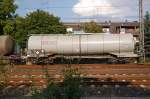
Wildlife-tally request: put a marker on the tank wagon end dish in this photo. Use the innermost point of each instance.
(6, 45)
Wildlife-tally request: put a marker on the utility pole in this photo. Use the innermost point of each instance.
(141, 23)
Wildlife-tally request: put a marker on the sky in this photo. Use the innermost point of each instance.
(85, 10)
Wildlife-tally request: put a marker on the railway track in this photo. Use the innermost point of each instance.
(97, 74)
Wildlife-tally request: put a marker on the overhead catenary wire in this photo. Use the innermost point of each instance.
(68, 7)
(104, 6)
(114, 4)
(79, 17)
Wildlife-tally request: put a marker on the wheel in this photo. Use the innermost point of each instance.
(112, 61)
(50, 61)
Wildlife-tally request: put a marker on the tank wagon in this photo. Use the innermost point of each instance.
(6, 45)
(9, 51)
(98, 46)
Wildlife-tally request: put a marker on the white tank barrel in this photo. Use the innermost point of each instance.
(93, 44)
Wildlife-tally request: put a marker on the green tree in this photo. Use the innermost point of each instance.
(37, 22)
(41, 22)
(20, 32)
(7, 12)
(52, 91)
(147, 33)
(72, 88)
(37, 95)
(92, 27)
(9, 27)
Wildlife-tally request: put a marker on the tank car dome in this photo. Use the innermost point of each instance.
(6, 45)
